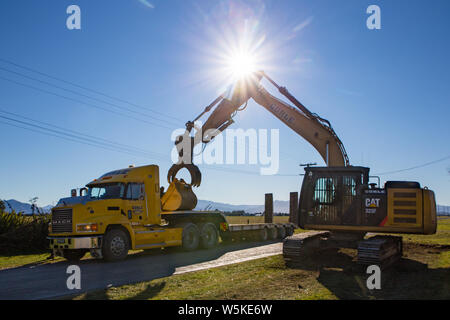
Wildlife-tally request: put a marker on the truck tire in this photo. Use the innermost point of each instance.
(191, 237)
(273, 233)
(74, 254)
(115, 245)
(209, 236)
(281, 232)
(263, 234)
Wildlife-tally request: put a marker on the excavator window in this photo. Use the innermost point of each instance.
(325, 191)
(330, 196)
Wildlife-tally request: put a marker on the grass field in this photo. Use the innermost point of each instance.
(423, 272)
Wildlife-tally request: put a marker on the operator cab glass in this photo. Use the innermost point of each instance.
(329, 195)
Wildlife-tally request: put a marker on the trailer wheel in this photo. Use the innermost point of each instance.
(263, 234)
(73, 254)
(115, 245)
(191, 237)
(209, 236)
(273, 233)
(281, 232)
(289, 231)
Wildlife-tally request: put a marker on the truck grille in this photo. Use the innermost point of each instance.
(62, 220)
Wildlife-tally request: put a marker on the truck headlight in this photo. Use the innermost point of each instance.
(87, 227)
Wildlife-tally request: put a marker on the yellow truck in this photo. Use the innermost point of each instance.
(127, 210)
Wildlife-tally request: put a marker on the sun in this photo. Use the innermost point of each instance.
(241, 64)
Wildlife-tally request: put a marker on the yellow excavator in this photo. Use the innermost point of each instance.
(338, 198)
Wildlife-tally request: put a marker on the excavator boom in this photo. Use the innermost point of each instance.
(314, 129)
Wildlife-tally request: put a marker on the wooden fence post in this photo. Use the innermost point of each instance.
(293, 208)
(268, 208)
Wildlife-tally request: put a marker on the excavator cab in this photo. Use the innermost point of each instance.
(332, 195)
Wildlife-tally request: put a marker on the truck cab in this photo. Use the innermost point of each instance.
(121, 210)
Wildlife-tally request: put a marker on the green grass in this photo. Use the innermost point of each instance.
(18, 260)
(424, 272)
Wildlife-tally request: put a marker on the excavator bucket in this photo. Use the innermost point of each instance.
(179, 196)
(194, 171)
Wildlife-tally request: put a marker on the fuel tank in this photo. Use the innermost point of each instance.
(179, 196)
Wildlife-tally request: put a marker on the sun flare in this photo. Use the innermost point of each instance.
(241, 64)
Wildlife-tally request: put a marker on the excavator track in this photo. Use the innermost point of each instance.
(380, 250)
(297, 246)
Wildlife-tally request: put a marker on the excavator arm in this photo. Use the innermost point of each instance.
(314, 129)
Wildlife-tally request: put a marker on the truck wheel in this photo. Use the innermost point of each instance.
(191, 237)
(74, 254)
(209, 236)
(281, 231)
(273, 233)
(263, 234)
(115, 245)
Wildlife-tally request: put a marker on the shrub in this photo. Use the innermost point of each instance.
(23, 233)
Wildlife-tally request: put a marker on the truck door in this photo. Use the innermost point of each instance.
(135, 203)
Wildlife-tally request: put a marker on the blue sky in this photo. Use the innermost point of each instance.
(386, 92)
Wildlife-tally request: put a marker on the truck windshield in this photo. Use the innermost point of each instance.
(107, 191)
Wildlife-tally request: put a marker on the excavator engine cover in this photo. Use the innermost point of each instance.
(179, 196)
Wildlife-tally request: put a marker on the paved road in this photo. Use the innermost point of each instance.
(49, 280)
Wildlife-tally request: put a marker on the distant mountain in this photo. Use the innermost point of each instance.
(18, 206)
(279, 206)
(443, 210)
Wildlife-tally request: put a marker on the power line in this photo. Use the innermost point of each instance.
(83, 135)
(79, 139)
(84, 95)
(415, 167)
(110, 145)
(82, 102)
(85, 88)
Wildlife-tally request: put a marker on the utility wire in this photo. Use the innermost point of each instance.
(84, 103)
(109, 145)
(84, 95)
(83, 135)
(74, 138)
(415, 167)
(91, 90)
(85, 88)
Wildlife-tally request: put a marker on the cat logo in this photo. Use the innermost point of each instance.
(372, 202)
